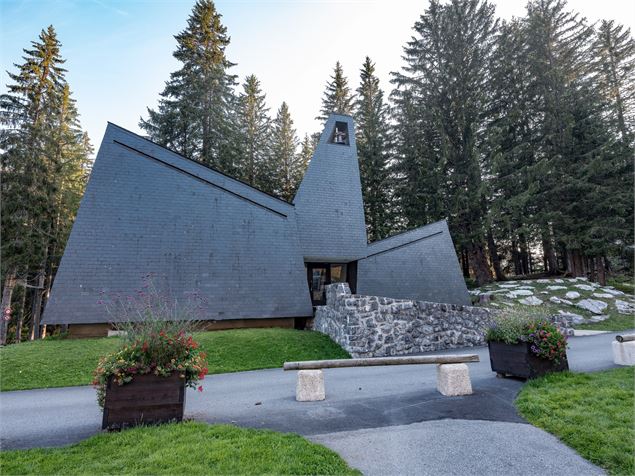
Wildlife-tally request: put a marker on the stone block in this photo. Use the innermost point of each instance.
(624, 352)
(453, 380)
(310, 386)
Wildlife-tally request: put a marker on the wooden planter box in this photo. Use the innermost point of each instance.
(519, 361)
(147, 399)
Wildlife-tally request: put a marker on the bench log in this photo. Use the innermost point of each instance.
(453, 377)
(380, 361)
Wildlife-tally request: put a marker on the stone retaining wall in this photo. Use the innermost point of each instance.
(371, 326)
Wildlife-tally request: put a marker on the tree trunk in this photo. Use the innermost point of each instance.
(7, 293)
(478, 263)
(465, 263)
(524, 255)
(20, 323)
(516, 258)
(601, 270)
(591, 266)
(493, 252)
(551, 265)
(37, 306)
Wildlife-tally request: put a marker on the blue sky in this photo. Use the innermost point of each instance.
(119, 53)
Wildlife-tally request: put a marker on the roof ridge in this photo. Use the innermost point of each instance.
(213, 169)
(402, 233)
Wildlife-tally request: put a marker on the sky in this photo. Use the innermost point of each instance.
(119, 52)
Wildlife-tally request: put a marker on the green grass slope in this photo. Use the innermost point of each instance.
(183, 448)
(61, 363)
(592, 413)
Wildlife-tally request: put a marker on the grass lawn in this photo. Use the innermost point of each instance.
(61, 363)
(181, 448)
(592, 413)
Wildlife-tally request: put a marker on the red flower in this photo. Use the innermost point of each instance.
(200, 388)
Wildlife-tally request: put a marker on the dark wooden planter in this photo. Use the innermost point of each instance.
(147, 399)
(519, 361)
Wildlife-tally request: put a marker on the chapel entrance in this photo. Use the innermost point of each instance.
(319, 275)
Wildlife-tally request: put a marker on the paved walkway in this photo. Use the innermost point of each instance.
(368, 402)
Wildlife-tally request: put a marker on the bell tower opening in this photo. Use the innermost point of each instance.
(339, 135)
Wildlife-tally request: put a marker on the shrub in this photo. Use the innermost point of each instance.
(157, 339)
(545, 339)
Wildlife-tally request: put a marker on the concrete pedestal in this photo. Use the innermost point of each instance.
(310, 386)
(624, 352)
(453, 380)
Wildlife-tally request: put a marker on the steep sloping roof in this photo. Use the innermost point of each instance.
(419, 264)
(149, 210)
(329, 206)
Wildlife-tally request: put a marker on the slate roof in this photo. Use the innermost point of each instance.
(329, 206)
(149, 210)
(419, 264)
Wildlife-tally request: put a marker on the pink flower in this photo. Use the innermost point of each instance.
(200, 388)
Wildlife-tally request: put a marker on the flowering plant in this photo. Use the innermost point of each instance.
(545, 339)
(159, 353)
(156, 339)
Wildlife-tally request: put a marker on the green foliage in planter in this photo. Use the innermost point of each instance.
(156, 340)
(159, 353)
(513, 327)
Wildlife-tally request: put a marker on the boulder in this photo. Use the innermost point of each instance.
(508, 285)
(531, 301)
(584, 287)
(519, 292)
(557, 300)
(572, 317)
(572, 295)
(592, 305)
(612, 291)
(525, 286)
(624, 307)
(603, 295)
(543, 281)
(556, 288)
(600, 318)
(558, 280)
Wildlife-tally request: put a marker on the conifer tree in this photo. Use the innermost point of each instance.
(307, 147)
(196, 115)
(372, 151)
(44, 167)
(285, 162)
(447, 69)
(255, 128)
(613, 53)
(337, 97)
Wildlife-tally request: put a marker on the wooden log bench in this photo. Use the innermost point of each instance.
(453, 377)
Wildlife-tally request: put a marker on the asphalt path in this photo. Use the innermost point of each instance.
(371, 401)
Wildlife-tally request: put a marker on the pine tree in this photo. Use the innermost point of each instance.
(337, 98)
(372, 151)
(307, 147)
(44, 167)
(197, 110)
(447, 69)
(509, 151)
(285, 162)
(613, 52)
(255, 127)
